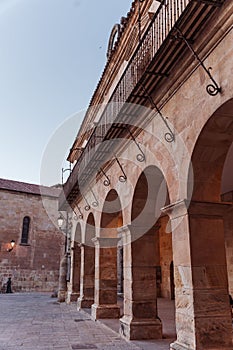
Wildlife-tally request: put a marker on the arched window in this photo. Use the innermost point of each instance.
(25, 230)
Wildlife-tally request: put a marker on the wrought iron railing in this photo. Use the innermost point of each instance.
(163, 22)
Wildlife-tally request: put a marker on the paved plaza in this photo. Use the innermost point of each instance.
(35, 321)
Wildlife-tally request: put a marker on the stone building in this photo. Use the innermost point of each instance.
(33, 263)
(151, 187)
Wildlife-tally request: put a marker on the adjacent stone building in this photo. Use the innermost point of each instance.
(33, 263)
(151, 189)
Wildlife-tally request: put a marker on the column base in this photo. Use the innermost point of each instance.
(105, 311)
(178, 346)
(61, 298)
(83, 303)
(72, 297)
(140, 329)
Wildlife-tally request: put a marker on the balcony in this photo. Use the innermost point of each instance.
(153, 61)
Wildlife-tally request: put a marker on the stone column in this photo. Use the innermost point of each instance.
(140, 320)
(62, 284)
(73, 289)
(64, 263)
(105, 305)
(87, 277)
(228, 226)
(203, 319)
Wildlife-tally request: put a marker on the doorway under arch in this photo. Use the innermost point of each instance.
(149, 254)
(87, 275)
(108, 276)
(204, 247)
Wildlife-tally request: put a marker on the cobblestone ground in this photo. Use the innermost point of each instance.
(32, 321)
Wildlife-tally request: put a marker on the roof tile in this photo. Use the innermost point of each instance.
(24, 187)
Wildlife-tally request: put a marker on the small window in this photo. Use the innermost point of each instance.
(25, 230)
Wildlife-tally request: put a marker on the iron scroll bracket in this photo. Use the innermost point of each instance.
(140, 156)
(80, 213)
(122, 178)
(212, 89)
(87, 206)
(169, 135)
(95, 203)
(107, 180)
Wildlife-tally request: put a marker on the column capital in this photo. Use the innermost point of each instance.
(176, 209)
(123, 230)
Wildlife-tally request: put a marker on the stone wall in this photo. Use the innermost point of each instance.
(33, 266)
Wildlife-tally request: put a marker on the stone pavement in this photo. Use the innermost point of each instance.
(34, 321)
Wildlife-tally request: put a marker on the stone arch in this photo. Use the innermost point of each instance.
(200, 259)
(78, 233)
(145, 256)
(111, 217)
(212, 172)
(150, 195)
(90, 230)
(210, 152)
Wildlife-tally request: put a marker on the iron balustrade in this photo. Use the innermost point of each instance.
(162, 23)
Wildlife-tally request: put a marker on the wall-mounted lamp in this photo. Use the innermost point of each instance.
(60, 221)
(12, 243)
(65, 227)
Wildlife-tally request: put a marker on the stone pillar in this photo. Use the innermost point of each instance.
(140, 320)
(65, 261)
(87, 277)
(228, 226)
(62, 284)
(73, 289)
(105, 305)
(203, 319)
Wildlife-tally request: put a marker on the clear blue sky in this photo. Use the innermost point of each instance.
(52, 53)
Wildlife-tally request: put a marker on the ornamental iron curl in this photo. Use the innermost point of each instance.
(95, 203)
(212, 89)
(140, 156)
(169, 136)
(122, 178)
(87, 206)
(107, 180)
(80, 216)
